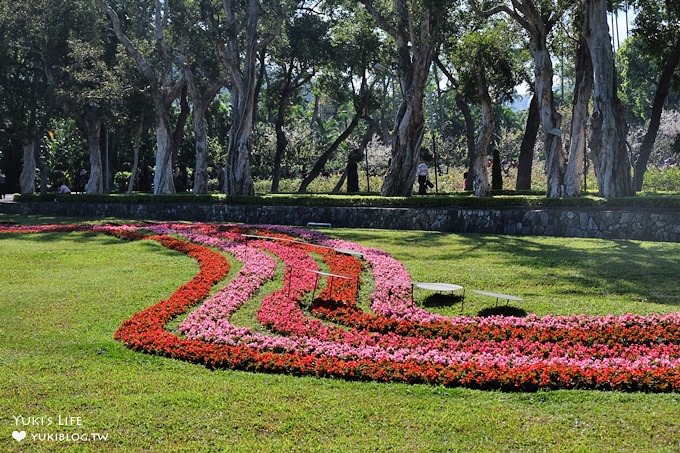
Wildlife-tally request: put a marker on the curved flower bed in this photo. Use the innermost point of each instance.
(397, 341)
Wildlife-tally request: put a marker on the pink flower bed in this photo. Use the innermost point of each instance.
(331, 336)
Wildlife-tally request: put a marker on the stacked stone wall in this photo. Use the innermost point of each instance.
(642, 224)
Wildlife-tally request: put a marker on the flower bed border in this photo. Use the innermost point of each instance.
(145, 331)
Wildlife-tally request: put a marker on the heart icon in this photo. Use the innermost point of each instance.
(19, 435)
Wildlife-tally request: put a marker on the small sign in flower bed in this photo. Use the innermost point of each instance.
(317, 328)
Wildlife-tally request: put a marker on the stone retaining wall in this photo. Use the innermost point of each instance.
(642, 224)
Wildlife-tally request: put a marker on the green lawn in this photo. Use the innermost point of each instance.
(63, 295)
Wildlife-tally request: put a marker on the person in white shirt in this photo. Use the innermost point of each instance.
(423, 177)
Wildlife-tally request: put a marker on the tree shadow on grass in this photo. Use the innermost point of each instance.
(87, 237)
(639, 270)
(442, 300)
(503, 310)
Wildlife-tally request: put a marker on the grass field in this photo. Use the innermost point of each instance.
(63, 295)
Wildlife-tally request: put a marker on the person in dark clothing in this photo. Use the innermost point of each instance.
(3, 182)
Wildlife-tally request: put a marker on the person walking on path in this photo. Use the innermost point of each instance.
(423, 178)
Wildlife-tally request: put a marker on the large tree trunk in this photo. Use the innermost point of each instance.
(469, 138)
(579, 119)
(44, 169)
(164, 88)
(281, 145)
(550, 118)
(481, 177)
(27, 177)
(241, 64)
(136, 145)
(238, 179)
(201, 147)
(406, 141)
(180, 124)
(200, 103)
(538, 19)
(414, 36)
(657, 107)
(525, 160)
(608, 142)
(162, 179)
(281, 140)
(89, 121)
(93, 125)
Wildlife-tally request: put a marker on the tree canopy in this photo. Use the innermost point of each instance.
(208, 95)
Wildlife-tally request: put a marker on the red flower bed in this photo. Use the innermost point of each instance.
(662, 330)
(619, 353)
